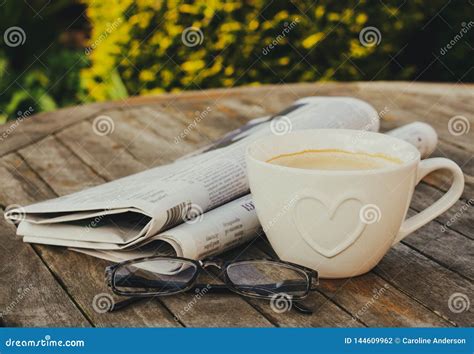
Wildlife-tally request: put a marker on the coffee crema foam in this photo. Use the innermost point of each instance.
(335, 159)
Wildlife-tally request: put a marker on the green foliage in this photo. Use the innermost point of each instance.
(140, 46)
(41, 73)
(146, 48)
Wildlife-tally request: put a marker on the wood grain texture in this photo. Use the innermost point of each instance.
(29, 295)
(82, 276)
(426, 281)
(370, 300)
(460, 217)
(32, 129)
(447, 247)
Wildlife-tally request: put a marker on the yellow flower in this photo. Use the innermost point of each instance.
(229, 70)
(253, 25)
(284, 61)
(146, 75)
(333, 16)
(193, 65)
(230, 26)
(361, 18)
(312, 40)
(319, 11)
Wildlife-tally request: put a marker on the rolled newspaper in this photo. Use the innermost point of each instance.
(127, 212)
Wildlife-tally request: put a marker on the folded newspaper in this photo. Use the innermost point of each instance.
(197, 206)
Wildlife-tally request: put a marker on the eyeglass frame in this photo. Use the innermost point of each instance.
(200, 266)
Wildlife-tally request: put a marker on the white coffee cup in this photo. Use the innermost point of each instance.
(341, 222)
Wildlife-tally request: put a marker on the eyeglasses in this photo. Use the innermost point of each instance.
(163, 276)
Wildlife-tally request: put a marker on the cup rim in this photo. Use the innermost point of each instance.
(386, 169)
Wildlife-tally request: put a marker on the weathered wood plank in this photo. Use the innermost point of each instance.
(25, 182)
(84, 279)
(202, 120)
(434, 112)
(106, 157)
(464, 158)
(29, 295)
(63, 172)
(174, 137)
(379, 304)
(17, 134)
(372, 301)
(138, 139)
(459, 217)
(81, 275)
(445, 246)
(441, 179)
(426, 281)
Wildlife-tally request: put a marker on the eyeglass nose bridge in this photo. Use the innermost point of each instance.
(212, 263)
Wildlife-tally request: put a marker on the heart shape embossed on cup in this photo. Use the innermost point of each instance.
(328, 226)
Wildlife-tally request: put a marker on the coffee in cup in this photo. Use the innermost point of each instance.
(334, 159)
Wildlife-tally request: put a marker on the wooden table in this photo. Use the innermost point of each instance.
(58, 153)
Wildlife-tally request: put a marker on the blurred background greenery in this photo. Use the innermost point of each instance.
(87, 50)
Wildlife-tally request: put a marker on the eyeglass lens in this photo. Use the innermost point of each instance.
(266, 278)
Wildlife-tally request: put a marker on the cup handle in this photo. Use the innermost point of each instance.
(441, 205)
